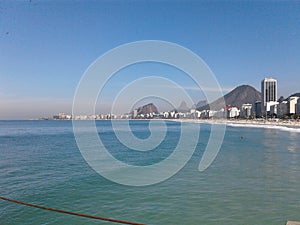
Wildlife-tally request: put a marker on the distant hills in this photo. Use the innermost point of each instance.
(182, 107)
(147, 109)
(200, 104)
(237, 97)
(281, 99)
(294, 95)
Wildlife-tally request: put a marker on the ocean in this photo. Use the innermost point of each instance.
(255, 178)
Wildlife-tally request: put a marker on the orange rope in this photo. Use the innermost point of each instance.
(69, 212)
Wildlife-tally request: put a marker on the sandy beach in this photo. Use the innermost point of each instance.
(241, 122)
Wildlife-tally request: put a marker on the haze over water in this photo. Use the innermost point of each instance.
(254, 179)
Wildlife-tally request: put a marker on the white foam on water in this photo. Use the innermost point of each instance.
(266, 126)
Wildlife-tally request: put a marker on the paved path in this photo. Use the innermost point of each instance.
(292, 223)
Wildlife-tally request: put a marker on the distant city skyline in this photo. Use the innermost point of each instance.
(45, 47)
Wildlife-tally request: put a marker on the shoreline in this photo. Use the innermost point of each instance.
(242, 122)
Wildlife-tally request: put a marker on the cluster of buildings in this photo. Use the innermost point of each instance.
(226, 112)
(269, 106)
(63, 116)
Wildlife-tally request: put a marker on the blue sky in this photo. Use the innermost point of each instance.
(45, 46)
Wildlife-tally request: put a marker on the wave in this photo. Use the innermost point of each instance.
(265, 126)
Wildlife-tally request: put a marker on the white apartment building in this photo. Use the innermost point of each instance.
(233, 112)
(292, 104)
(246, 110)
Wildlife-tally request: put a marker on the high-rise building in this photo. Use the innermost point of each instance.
(298, 106)
(268, 93)
(258, 109)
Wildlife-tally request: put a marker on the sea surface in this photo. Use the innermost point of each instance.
(255, 178)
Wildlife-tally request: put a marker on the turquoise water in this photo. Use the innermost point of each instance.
(254, 179)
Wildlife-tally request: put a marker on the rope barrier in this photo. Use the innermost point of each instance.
(69, 212)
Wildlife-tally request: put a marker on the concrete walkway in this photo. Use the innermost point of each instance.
(292, 223)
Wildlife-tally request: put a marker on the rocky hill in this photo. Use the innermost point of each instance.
(147, 109)
(294, 95)
(182, 107)
(237, 97)
(200, 104)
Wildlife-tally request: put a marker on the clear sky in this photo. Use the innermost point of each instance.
(45, 46)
